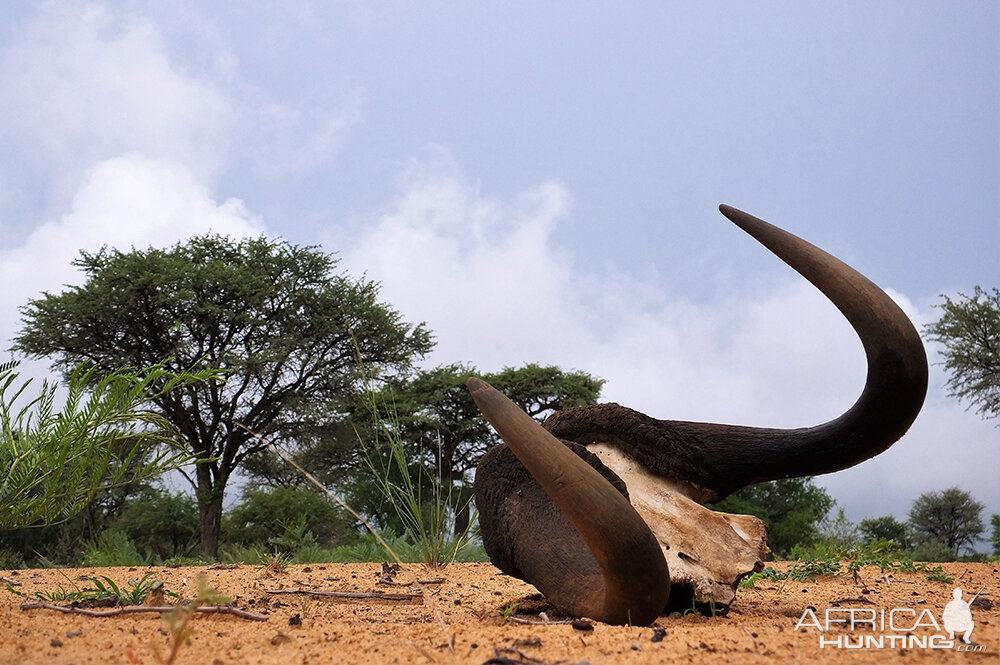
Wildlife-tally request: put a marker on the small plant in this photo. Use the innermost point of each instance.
(810, 570)
(305, 607)
(508, 610)
(426, 519)
(55, 462)
(823, 560)
(105, 587)
(704, 609)
(295, 537)
(59, 596)
(768, 573)
(276, 563)
(178, 620)
(935, 574)
(178, 561)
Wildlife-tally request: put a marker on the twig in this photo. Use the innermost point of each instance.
(414, 598)
(10, 580)
(431, 580)
(539, 622)
(140, 609)
(522, 658)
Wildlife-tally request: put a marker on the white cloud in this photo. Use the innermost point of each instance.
(290, 139)
(81, 84)
(128, 201)
(466, 264)
(487, 278)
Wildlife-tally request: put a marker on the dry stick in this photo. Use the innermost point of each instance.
(539, 622)
(354, 595)
(432, 580)
(140, 609)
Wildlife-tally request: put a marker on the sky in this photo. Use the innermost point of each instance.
(539, 182)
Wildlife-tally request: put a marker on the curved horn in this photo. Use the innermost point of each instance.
(719, 459)
(635, 582)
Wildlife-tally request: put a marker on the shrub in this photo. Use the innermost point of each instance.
(163, 525)
(932, 550)
(114, 548)
(287, 518)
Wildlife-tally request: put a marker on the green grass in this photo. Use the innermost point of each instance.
(104, 588)
(826, 561)
(423, 503)
(364, 550)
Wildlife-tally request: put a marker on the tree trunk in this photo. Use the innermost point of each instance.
(210, 510)
(211, 523)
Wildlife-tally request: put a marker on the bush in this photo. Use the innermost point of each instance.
(161, 524)
(114, 548)
(287, 519)
(932, 550)
(887, 527)
(59, 544)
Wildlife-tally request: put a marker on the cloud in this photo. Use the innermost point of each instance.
(81, 84)
(466, 263)
(487, 277)
(124, 202)
(290, 140)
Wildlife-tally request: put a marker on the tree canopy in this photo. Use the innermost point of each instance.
(951, 517)
(433, 415)
(887, 527)
(293, 335)
(437, 415)
(969, 330)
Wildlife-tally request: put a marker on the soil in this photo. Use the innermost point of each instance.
(456, 615)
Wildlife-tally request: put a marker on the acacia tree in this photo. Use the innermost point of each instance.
(291, 333)
(792, 508)
(951, 517)
(969, 330)
(439, 420)
(436, 413)
(887, 527)
(433, 416)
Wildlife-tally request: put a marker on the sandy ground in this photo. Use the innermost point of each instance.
(459, 618)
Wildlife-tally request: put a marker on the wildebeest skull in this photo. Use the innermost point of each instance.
(601, 509)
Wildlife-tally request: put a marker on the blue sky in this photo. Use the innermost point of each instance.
(540, 183)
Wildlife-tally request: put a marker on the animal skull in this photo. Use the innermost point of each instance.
(602, 508)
